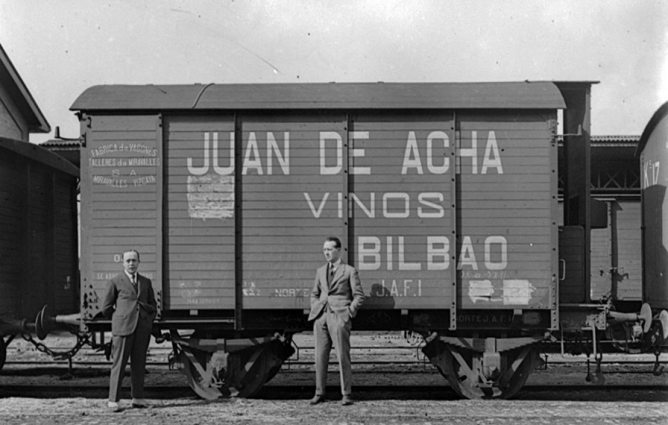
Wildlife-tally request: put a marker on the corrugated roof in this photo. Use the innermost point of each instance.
(615, 139)
(610, 148)
(611, 141)
(65, 144)
(510, 95)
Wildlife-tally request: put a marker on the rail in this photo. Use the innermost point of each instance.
(383, 355)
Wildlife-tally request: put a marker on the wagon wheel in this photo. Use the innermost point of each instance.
(520, 363)
(249, 370)
(462, 370)
(200, 380)
(279, 353)
(238, 373)
(3, 352)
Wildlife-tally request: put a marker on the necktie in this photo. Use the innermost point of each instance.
(330, 272)
(134, 281)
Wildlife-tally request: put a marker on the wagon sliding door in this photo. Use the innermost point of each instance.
(507, 249)
(402, 208)
(120, 202)
(199, 213)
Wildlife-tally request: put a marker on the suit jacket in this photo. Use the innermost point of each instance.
(344, 294)
(126, 307)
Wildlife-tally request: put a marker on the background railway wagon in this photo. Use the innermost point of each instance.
(653, 151)
(444, 195)
(616, 262)
(38, 237)
(616, 253)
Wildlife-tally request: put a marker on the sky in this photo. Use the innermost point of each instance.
(62, 47)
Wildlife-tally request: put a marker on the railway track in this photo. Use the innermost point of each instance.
(362, 392)
(383, 367)
(288, 367)
(361, 355)
(300, 374)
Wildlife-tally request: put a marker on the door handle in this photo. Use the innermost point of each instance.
(563, 269)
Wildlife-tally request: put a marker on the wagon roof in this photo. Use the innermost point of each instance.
(38, 154)
(503, 95)
(651, 125)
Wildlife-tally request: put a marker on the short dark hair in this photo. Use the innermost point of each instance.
(337, 242)
(130, 250)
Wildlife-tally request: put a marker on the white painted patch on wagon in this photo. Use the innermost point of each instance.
(517, 291)
(480, 290)
(211, 196)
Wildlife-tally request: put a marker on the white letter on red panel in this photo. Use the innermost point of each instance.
(411, 155)
(358, 153)
(433, 252)
(503, 256)
(199, 171)
(492, 148)
(283, 159)
(472, 152)
(467, 256)
(252, 149)
(336, 137)
(372, 252)
(223, 171)
(441, 169)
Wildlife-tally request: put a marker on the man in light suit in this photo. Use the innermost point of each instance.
(130, 304)
(336, 297)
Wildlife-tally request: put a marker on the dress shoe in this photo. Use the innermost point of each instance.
(346, 400)
(114, 406)
(317, 399)
(139, 403)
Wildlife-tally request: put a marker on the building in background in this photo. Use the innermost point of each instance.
(19, 113)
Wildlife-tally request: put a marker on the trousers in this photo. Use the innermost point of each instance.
(133, 347)
(330, 328)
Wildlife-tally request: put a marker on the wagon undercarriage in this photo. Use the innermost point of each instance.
(218, 361)
(224, 367)
(484, 368)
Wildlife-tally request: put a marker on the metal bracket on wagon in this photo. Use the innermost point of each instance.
(484, 368)
(223, 367)
(44, 323)
(224, 344)
(482, 345)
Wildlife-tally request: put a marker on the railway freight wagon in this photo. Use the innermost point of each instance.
(38, 237)
(653, 151)
(444, 195)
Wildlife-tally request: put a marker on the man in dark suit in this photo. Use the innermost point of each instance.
(336, 297)
(130, 303)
